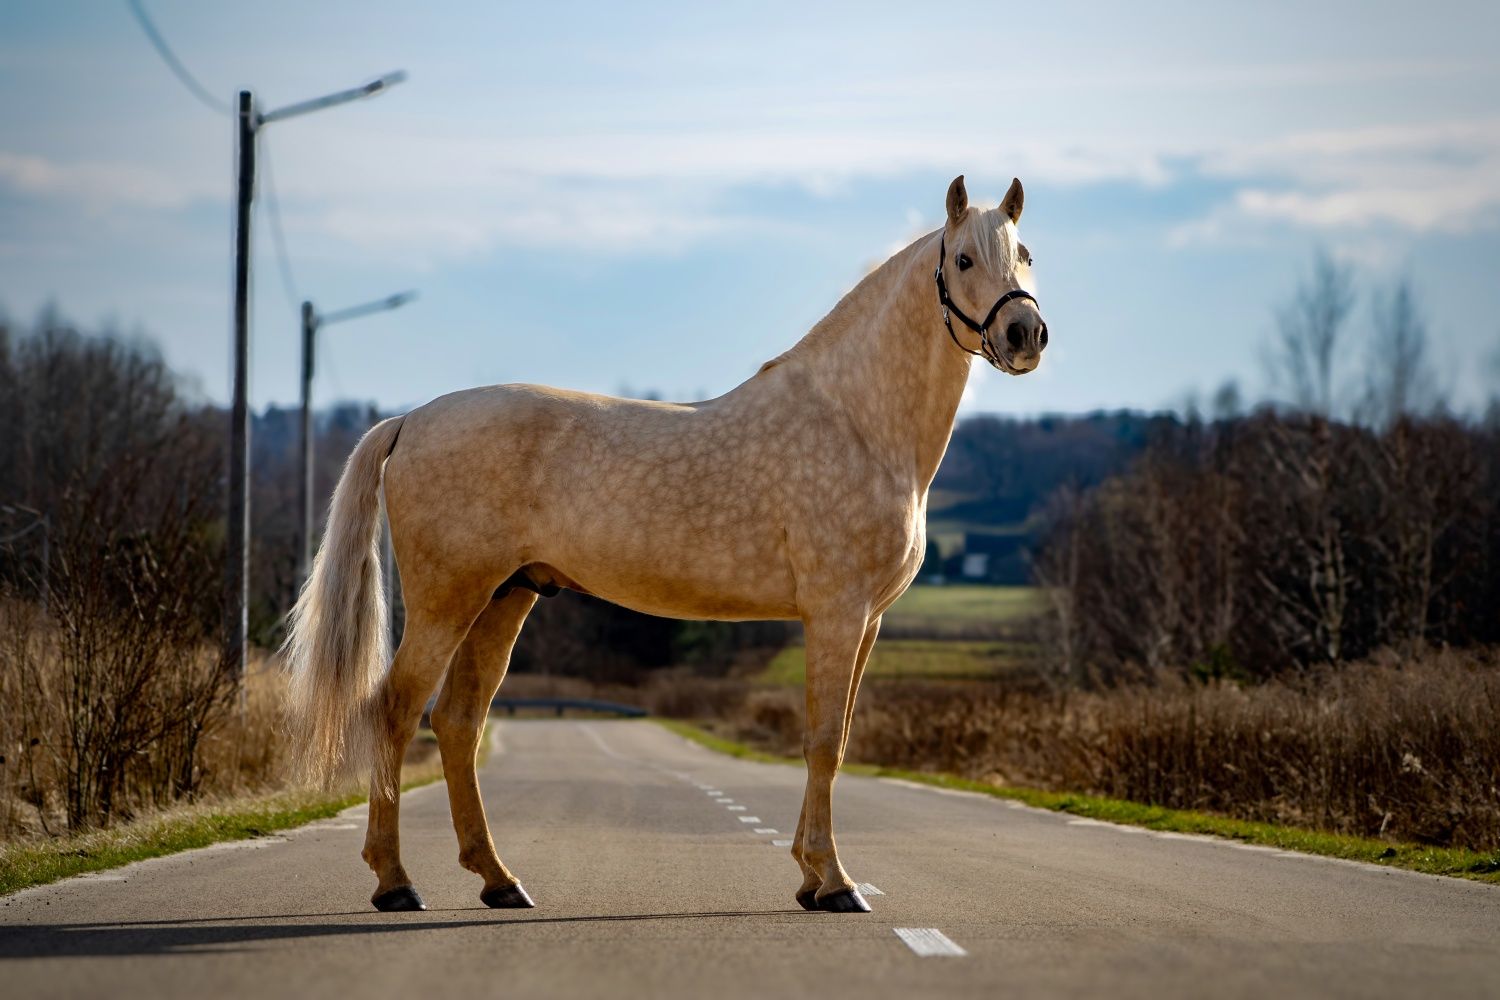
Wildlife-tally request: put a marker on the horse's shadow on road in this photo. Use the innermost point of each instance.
(220, 935)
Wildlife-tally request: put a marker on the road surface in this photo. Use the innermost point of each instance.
(649, 885)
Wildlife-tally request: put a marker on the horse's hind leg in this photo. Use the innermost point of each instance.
(458, 719)
(426, 648)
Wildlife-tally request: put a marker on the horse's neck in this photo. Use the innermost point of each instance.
(883, 354)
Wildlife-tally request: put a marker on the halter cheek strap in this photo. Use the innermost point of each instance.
(986, 349)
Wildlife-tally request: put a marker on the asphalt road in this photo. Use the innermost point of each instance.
(648, 885)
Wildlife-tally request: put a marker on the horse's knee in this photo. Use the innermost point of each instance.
(822, 749)
(450, 721)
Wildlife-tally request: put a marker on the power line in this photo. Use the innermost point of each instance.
(174, 64)
(278, 238)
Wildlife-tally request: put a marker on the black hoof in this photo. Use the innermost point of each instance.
(808, 900)
(506, 897)
(398, 900)
(844, 901)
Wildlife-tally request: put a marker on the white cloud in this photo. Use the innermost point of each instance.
(96, 184)
(1431, 177)
(449, 195)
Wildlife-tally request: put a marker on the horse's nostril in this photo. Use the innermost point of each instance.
(1016, 335)
(1042, 340)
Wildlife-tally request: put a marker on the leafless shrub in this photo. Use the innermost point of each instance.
(1401, 747)
(109, 685)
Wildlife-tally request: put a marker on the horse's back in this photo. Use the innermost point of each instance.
(643, 502)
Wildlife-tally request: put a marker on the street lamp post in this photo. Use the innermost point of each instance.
(237, 568)
(312, 322)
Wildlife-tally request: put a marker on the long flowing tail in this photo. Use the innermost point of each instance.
(338, 646)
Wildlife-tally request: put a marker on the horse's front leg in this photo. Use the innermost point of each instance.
(812, 879)
(834, 641)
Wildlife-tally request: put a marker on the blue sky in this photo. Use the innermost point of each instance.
(660, 197)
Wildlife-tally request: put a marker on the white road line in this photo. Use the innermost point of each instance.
(929, 942)
(766, 829)
(713, 791)
(599, 742)
(868, 889)
(781, 843)
(749, 819)
(736, 809)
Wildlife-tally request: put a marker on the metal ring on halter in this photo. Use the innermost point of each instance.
(987, 350)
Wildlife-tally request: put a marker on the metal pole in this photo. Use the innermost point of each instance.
(309, 332)
(312, 322)
(237, 570)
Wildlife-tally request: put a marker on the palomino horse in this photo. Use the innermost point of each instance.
(801, 494)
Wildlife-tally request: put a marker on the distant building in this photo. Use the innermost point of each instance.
(996, 558)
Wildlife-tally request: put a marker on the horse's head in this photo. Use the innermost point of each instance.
(984, 281)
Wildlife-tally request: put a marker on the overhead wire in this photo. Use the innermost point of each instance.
(195, 87)
(278, 237)
(186, 78)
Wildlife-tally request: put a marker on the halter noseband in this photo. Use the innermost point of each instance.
(986, 349)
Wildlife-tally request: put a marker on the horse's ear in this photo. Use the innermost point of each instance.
(1011, 206)
(958, 199)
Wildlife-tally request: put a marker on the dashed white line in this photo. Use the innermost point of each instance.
(929, 942)
(868, 889)
(749, 819)
(766, 829)
(736, 809)
(781, 843)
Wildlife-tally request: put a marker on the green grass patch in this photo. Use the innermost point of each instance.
(963, 604)
(25, 865)
(30, 864)
(1457, 862)
(910, 659)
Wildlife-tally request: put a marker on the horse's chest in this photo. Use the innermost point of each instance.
(876, 540)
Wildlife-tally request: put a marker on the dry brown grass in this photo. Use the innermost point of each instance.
(240, 754)
(238, 751)
(1407, 749)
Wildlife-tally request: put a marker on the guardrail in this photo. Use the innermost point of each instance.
(560, 705)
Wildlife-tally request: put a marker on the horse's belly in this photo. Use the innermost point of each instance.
(666, 569)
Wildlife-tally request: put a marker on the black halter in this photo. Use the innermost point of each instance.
(986, 349)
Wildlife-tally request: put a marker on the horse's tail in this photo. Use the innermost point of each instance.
(337, 647)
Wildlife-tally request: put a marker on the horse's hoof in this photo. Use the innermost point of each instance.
(808, 899)
(506, 897)
(844, 901)
(398, 900)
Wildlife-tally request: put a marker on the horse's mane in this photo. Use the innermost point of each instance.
(990, 236)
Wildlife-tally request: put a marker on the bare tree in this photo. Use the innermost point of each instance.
(1309, 328)
(1400, 381)
(1228, 403)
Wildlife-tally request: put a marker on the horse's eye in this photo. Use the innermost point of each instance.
(963, 262)
(1025, 254)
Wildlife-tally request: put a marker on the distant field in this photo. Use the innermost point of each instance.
(911, 659)
(958, 607)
